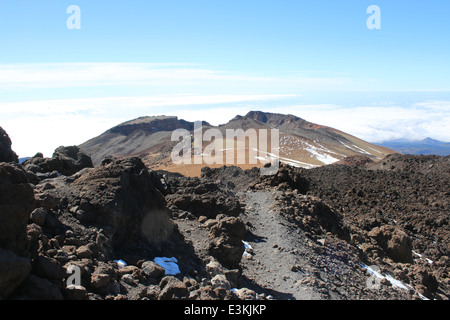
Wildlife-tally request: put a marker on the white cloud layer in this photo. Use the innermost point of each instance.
(44, 131)
(380, 123)
(156, 75)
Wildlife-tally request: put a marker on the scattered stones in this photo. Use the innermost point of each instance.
(38, 216)
(83, 252)
(100, 280)
(153, 270)
(246, 294)
(172, 288)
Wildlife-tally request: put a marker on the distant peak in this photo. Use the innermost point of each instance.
(274, 118)
(148, 119)
(257, 115)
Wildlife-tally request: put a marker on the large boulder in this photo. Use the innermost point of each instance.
(396, 243)
(119, 196)
(16, 204)
(226, 241)
(6, 154)
(13, 271)
(72, 159)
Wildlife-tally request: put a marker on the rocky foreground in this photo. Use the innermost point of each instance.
(231, 234)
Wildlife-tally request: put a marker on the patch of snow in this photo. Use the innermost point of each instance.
(420, 256)
(362, 150)
(348, 147)
(320, 153)
(394, 282)
(120, 263)
(358, 149)
(374, 149)
(298, 164)
(247, 245)
(248, 250)
(261, 158)
(169, 264)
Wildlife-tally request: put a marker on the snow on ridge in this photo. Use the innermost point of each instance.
(322, 156)
(298, 164)
(358, 149)
(362, 150)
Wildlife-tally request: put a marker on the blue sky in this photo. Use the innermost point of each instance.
(214, 59)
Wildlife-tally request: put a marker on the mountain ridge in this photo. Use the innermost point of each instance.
(301, 143)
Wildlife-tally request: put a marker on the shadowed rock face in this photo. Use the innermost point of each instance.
(6, 154)
(16, 204)
(65, 160)
(119, 195)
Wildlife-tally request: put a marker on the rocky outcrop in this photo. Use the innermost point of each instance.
(396, 211)
(61, 236)
(152, 124)
(396, 243)
(72, 160)
(65, 161)
(118, 197)
(232, 177)
(201, 197)
(356, 160)
(226, 240)
(287, 178)
(6, 153)
(310, 214)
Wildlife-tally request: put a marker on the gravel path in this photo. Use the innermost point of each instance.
(286, 264)
(279, 252)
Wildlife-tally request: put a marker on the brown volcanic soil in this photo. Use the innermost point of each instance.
(409, 193)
